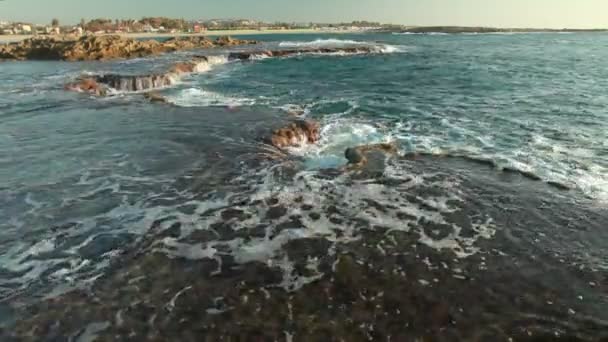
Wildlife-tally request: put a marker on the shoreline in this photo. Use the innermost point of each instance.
(6, 39)
(141, 35)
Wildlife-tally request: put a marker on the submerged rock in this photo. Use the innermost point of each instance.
(104, 47)
(155, 96)
(297, 133)
(357, 156)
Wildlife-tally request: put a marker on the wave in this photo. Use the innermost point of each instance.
(421, 33)
(326, 51)
(322, 43)
(209, 62)
(339, 133)
(194, 97)
(339, 43)
(506, 33)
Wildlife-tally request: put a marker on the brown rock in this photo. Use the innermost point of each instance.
(297, 133)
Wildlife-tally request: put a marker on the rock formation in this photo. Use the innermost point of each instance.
(297, 133)
(104, 47)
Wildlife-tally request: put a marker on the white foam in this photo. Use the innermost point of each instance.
(212, 61)
(335, 137)
(572, 163)
(195, 97)
(349, 196)
(291, 281)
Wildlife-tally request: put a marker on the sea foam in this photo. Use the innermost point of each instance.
(195, 97)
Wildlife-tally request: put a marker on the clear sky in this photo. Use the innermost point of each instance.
(501, 13)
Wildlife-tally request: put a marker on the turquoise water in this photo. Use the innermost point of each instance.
(83, 179)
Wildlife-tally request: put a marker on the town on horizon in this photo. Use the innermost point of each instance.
(170, 25)
(165, 25)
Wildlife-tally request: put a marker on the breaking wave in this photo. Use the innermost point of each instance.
(339, 43)
(194, 97)
(533, 162)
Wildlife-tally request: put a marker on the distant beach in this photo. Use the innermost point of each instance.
(17, 38)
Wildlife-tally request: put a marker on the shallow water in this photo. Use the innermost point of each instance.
(175, 204)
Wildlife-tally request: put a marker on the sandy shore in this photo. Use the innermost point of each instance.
(16, 38)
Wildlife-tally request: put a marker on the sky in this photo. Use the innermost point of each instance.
(498, 13)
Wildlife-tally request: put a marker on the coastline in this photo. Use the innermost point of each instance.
(17, 38)
(6, 39)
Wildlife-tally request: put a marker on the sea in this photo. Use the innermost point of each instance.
(126, 220)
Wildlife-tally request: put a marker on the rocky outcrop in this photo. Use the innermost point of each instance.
(101, 85)
(104, 47)
(357, 156)
(297, 133)
(251, 55)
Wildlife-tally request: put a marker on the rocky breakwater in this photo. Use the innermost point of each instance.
(101, 85)
(252, 55)
(105, 47)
